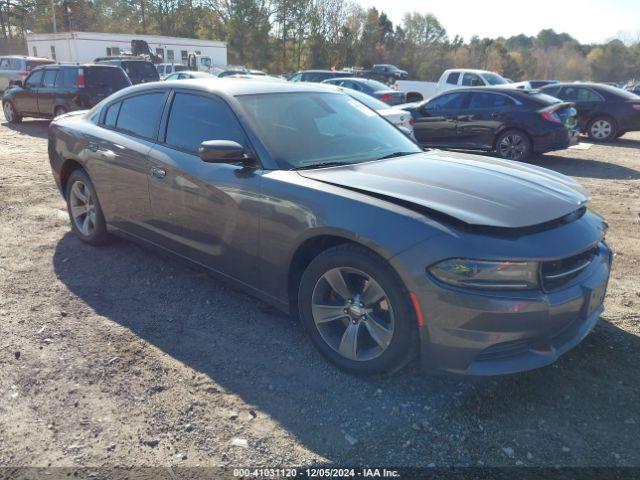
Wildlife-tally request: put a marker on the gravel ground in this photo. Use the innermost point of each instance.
(119, 356)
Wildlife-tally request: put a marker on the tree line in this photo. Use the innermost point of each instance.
(283, 36)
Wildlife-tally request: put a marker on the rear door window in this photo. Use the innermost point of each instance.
(488, 100)
(453, 78)
(67, 78)
(451, 101)
(553, 91)
(49, 78)
(195, 118)
(588, 95)
(139, 115)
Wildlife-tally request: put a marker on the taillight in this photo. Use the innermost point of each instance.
(386, 98)
(80, 78)
(551, 114)
(636, 106)
(23, 73)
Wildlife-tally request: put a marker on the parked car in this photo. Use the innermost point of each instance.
(317, 76)
(305, 199)
(370, 87)
(139, 70)
(231, 70)
(187, 74)
(384, 73)
(53, 90)
(513, 123)
(165, 69)
(634, 89)
(400, 118)
(533, 84)
(454, 78)
(15, 68)
(604, 112)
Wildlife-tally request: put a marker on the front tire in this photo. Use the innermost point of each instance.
(357, 312)
(10, 113)
(513, 145)
(602, 129)
(85, 213)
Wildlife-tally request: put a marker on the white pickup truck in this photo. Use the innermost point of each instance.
(454, 78)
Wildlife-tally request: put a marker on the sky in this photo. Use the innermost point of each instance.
(589, 21)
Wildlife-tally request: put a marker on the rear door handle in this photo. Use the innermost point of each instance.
(158, 172)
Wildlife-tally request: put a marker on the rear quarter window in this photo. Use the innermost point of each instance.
(139, 72)
(106, 78)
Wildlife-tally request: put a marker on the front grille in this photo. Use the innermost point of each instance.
(557, 274)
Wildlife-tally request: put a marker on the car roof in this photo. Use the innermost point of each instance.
(26, 57)
(507, 90)
(469, 70)
(228, 86)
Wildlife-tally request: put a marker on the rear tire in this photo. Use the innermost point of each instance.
(378, 313)
(602, 129)
(513, 145)
(10, 113)
(85, 213)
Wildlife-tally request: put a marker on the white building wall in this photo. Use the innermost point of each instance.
(84, 47)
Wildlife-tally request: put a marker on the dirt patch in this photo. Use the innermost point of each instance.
(118, 356)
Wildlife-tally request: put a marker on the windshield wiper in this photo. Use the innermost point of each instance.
(321, 165)
(396, 154)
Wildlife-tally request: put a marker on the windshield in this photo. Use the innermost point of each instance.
(302, 130)
(493, 79)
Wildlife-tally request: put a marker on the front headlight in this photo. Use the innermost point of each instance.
(463, 272)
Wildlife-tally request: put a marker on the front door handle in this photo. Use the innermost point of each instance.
(158, 172)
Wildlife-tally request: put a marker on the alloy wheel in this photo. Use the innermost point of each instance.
(352, 313)
(512, 146)
(8, 111)
(601, 129)
(82, 207)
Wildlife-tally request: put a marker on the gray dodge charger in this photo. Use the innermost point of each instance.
(312, 202)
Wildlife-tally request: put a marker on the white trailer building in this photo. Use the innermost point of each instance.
(84, 47)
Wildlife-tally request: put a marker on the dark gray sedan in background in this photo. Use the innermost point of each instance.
(309, 200)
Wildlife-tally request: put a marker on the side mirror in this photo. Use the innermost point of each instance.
(224, 151)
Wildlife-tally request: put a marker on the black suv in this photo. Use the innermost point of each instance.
(139, 70)
(53, 90)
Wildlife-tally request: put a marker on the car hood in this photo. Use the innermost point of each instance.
(473, 189)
